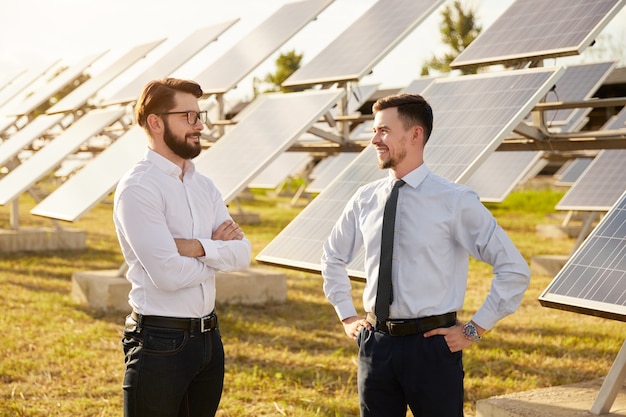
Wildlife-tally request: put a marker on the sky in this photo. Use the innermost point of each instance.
(35, 32)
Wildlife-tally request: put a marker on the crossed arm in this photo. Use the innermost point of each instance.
(229, 230)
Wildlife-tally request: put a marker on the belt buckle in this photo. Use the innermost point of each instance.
(206, 327)
(395, 328)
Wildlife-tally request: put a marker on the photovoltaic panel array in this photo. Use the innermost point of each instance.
(359, 48)
(531, 30)
(10, 95)
(12, 146)
(593, 280)
(579, 82)
(500, 173)
(52, 154)
(469, 111)
(72, 199)
(475, 113)
(79, 96)
(328, 169)
(224, 73)
(169, 62)
(55, 85)
(600, 185)
(286, 165)
(573, 171)
(299, 244)
(8, 77)
(262, 133)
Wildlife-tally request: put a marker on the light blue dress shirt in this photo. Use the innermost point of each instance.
(439, 224)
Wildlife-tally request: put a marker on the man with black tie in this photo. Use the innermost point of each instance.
(410, 340)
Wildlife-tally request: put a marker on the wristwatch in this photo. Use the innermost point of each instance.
(470, 332)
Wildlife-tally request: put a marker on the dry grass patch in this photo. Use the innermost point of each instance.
(292, 359)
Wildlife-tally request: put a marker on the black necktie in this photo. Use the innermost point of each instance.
(384, 294)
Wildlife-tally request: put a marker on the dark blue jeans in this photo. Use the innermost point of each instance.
(172, 373)
(414, 371)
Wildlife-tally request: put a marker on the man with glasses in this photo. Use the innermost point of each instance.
(175, 232)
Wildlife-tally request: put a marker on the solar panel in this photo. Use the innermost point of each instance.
(357, 96)
(228, 70)
(55, 85)
(500, 173)
(262, 132)
(169, 62)
(600, 185)
(472, 114)
(328, 169)
(617, 121)
(12, 91)
(531, 30)
(299, 244)
(359, 48)
(96, 180)
(592, 281)
(32, 131)
(475, 113)
(78, 97)
(284, 166)
(573, 171)
(579, 82)
(52, 154)
(9, 77)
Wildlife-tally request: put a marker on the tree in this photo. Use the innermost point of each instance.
(458, 29)
(286, 64)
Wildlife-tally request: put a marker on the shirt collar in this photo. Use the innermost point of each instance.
(167, 166)
(415, 177)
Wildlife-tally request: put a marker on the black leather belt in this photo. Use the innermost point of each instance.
(200, 325)
(405, 327)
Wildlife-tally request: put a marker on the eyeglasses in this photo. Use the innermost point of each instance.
(192, 116)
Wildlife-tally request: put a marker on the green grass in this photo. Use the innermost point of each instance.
(59, 358)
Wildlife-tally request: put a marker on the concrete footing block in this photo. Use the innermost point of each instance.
(105, 290)
(548, 265)
(38, 239)
(560, 401)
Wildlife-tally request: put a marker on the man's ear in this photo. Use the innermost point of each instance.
(418, 134)
(154, 122)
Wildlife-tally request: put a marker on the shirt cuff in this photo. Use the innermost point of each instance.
(345, 309)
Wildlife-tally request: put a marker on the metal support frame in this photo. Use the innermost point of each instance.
(611, 385)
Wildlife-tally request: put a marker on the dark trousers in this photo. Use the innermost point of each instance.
(172, 373)
(414, 371)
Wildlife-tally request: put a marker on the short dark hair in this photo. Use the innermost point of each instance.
(158, 97)
(413, 110)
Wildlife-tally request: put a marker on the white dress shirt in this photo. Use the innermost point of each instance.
(152, 206)
(438, 225)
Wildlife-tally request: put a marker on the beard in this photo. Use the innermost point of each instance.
(392, 161)
(181, 147)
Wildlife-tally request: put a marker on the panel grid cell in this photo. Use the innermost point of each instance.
(500, 173)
